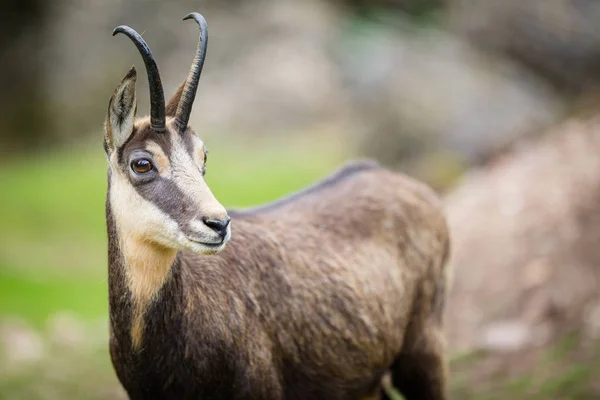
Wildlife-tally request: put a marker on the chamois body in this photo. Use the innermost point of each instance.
(316, 296)
(311, 298)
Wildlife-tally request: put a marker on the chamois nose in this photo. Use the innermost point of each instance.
(218, 225)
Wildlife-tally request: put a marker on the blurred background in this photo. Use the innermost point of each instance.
(493, 103)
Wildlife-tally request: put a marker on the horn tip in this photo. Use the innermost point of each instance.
(119, 29)
(196, 16)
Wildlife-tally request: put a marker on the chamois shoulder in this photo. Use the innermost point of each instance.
(359, 200)
(357, 187)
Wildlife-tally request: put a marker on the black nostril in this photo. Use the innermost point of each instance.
(218, 225)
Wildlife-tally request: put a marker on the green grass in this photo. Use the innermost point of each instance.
(37, 297)
(561, 371)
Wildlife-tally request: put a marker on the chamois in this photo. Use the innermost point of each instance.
(315, 296)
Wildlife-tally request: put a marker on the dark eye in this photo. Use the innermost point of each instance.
(141, 166)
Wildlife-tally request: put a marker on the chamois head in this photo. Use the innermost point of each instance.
(157, 192)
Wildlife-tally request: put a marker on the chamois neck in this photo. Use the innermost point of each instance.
(138, 270)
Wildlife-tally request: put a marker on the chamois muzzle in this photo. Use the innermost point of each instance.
(188, 95)
(157, 97)
(219, 226)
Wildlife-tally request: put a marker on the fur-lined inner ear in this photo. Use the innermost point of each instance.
(121, 112)
(174, 101)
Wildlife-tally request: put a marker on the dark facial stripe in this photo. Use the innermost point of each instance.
(138, 140)
(165, 194)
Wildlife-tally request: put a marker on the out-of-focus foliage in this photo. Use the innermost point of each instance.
(24, 103)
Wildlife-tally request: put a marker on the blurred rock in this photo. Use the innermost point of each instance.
(66, 330)
(592, 320)
(424, 93)
(267, 68)
(412, 95)
(20, 344)
(505, 336)
(525, 244)
(536, 273)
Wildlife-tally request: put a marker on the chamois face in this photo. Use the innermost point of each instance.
(157, 193)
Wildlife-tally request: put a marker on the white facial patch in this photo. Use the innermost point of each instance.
(136, 216)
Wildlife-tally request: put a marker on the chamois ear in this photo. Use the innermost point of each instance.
(121, 113)
(174, 101)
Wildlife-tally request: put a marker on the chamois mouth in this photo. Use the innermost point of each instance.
(209, 244)
(203, 247)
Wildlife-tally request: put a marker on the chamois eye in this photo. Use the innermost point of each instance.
(141, 166)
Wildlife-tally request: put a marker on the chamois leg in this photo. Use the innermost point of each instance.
(419, 372)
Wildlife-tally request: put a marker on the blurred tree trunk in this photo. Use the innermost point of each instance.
(23, 109)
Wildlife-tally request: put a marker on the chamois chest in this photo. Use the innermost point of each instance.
(188, 355)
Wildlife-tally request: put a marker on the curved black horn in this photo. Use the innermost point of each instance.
(157, 97)
(182, 116)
